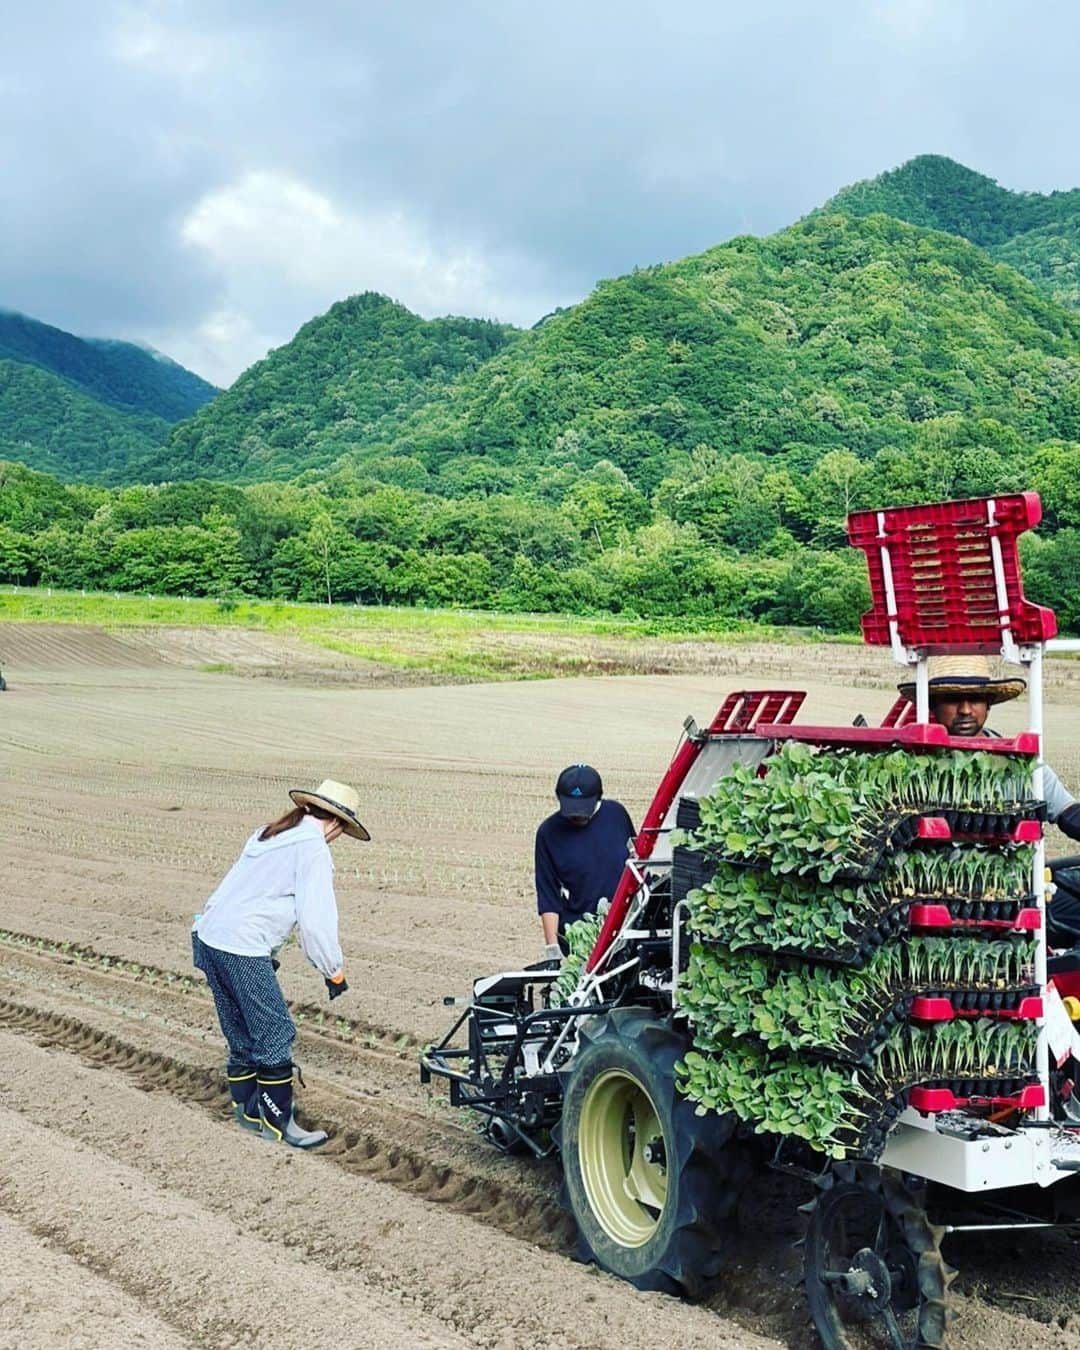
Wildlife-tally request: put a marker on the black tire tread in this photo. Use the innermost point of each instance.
(706, 1162)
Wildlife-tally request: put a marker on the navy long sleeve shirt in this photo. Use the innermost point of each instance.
(577, 866)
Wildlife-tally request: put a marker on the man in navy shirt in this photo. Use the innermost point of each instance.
(580, 853)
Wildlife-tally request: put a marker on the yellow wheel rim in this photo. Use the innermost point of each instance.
(623, 1156)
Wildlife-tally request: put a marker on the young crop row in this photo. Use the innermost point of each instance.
(836, 1108)
(839, 1012)
(829, 813)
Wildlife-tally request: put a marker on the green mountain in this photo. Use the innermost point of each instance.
(1037, 233)
(332, 387)
(838, 333)
(1050, 256)
(687, 441)
(120, 374)
(51, 424)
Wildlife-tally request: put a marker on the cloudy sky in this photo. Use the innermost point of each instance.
(205, 175)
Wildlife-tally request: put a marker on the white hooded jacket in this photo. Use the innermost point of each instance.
(275, 886)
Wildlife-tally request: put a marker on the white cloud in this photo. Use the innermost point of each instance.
(284, 251)
(219, 346)
(138, 39)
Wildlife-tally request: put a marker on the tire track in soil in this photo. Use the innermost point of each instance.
(366, 1092)
(365, 1066)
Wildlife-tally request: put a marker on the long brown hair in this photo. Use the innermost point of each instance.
(291, 819)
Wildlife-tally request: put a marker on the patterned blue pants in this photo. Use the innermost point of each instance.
(250, 1006)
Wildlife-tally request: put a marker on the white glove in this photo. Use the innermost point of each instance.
(552, 952)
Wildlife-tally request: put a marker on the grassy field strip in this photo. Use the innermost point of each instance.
(42, 605)
(458, 644)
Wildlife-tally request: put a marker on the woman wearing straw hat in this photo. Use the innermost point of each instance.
(282, 880)
(962, 692)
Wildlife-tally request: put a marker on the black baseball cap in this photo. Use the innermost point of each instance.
(578, 789)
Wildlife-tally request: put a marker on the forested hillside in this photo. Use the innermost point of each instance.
(121, 374)
(1037, 233)
(50, 424)
(839, 333)
(329, 390)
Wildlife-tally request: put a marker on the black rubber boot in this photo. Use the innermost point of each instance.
(244, 1091)
(276, 1108)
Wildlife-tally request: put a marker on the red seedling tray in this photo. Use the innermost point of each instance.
(929, 1100)
(938, 916)
(937, 829)
(942, 1010)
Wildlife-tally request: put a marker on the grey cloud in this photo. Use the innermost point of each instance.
(558, 143)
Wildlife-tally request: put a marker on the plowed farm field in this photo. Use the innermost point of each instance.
(134, 1213)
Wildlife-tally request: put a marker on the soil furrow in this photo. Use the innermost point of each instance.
(365, 1137)
(83, 1309)
(209, 1277)
(80, 956)
(200, 1207)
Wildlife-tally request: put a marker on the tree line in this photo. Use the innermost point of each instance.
(722, 537)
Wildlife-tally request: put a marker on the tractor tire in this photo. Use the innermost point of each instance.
(653, 1186)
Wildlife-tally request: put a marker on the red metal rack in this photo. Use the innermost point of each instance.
(946, 577)
(912, 736)
(744, 710)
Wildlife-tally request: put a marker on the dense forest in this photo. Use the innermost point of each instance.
(734, 536)
(687, 441)
(49, 423)
(87, 408)
(1036, 233)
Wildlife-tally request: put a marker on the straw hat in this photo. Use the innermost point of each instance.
(337, 798)
(957, 676)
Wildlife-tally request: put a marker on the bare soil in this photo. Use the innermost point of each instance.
(132, 1211)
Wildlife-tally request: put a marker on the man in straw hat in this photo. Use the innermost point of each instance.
(962, 692)
(283, 880)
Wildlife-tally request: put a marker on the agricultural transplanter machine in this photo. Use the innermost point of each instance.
(827, 954)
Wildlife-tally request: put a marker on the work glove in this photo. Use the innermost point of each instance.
(1068, 822)
(552, 952)
(336, 985)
